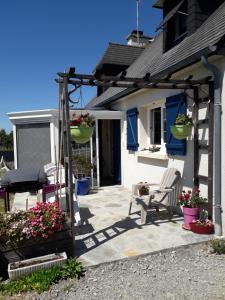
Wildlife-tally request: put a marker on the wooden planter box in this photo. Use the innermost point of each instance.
(58, 242)
(21, 268)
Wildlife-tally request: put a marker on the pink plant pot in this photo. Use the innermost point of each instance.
(190, 214)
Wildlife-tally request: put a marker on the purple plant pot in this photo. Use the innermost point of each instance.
(190, 214)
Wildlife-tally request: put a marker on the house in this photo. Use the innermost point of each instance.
(132, 122)
(190, 45)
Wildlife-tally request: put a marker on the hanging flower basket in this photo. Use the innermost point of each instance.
(181, 132)
(81, 134)
(82, 128)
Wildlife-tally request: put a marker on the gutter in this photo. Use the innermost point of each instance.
(217, 77)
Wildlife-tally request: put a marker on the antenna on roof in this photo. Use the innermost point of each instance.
(138, 38)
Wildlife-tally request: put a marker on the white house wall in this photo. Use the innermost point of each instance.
(136, 169)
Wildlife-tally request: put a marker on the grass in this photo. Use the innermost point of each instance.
(42, 280)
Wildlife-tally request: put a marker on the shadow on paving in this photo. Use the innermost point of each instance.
(85, 227)
(102, 236)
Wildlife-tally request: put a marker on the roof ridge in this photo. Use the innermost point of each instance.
(125, 45)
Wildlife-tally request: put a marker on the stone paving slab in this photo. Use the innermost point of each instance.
(108, 233)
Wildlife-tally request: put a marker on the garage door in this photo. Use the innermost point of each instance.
(33, 145)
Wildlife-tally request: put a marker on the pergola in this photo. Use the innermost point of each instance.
(75, 80)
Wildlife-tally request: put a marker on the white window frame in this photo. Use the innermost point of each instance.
(158, 104)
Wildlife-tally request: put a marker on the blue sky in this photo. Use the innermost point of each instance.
(41, 38)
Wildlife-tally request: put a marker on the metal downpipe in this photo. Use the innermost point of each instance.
(217, 77)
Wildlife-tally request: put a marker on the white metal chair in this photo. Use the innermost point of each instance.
(164, 194)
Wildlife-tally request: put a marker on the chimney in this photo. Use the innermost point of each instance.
(137, 38)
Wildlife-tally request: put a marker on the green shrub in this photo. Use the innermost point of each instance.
(72, 269)
(41, 280)
(218, 246)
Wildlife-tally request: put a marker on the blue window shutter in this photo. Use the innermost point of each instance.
(132, 129)
(174, 105)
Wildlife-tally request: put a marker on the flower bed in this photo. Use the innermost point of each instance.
(39, 231)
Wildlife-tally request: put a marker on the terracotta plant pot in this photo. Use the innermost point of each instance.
(81, 134)
(201, 229)
(190, 214)
(181, 132)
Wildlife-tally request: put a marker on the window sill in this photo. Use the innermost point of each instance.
(153, 155)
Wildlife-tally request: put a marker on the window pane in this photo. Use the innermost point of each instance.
(157, 126)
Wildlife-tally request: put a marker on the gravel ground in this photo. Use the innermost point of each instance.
(183, 273)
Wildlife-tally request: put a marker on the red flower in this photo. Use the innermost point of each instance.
(181, 197)
(187, 196)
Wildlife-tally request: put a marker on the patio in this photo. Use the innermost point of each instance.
(108, 234)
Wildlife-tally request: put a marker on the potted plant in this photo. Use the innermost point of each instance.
(82, 127)
(190, 201)
(82, 170)
(202, 226)
(182, 127)
(143, 190)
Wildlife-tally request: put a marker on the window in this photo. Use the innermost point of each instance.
(157, 126)
(176, 25)
(180, 22)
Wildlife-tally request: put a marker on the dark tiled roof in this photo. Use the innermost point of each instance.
(152, 59)
(117, 54)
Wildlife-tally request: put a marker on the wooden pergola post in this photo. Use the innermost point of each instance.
(69, 185)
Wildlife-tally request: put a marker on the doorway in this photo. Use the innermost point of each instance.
(109, 152)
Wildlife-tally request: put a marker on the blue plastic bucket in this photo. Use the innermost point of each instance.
(83, 186)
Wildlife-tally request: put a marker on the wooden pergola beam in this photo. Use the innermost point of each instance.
(146, 79)
(130, 85)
